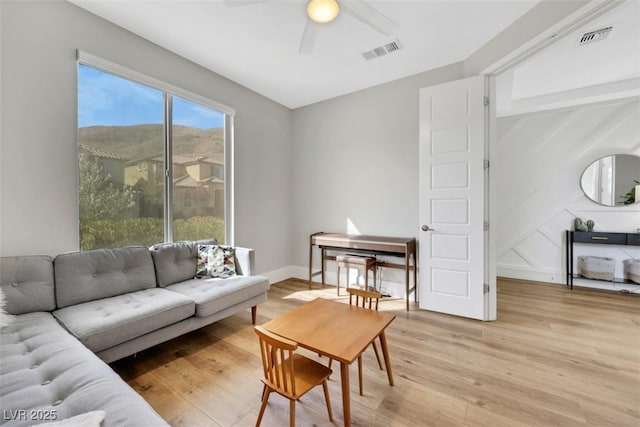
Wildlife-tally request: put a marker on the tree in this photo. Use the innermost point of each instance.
(152, 199)
(99, 199)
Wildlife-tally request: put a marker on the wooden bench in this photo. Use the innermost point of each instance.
(364, 263)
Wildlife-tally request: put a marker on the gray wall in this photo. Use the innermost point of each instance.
(355, 159)
(38, 171)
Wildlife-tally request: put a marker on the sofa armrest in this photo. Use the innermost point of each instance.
(246, 261)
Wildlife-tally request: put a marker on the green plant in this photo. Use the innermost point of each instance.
(113, 233)
(98, 196)
(630, 197)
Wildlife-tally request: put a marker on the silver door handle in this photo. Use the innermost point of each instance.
(426, 228)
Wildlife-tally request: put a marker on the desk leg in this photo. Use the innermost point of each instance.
(310, 261)
(346, 399)
(415, 278)
(406, 278)
(385, 353)
(324, 264)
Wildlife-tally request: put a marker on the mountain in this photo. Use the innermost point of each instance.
(140, 141)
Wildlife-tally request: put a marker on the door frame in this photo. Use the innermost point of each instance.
(545, 39)
(490, 259)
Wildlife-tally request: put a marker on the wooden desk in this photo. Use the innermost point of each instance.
(319, 326)
(376, 245)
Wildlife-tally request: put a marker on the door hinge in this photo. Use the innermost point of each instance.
(486, 101)
(486, 288)
(486, 163)
(485, 225)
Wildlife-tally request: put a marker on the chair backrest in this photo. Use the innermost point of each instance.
(277, 362)
(368, 298)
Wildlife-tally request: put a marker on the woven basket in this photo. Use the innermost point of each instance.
(632, 270)
(594, 267)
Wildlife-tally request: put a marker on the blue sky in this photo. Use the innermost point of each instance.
(108, 100)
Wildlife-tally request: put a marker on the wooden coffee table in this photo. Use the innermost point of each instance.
(336, 330)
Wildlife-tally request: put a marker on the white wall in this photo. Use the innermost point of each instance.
(38, 212)
(540, 158)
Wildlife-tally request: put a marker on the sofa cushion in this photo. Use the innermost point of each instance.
(102, 273)
(107, 322)
(175, 262)
(213, 295)
(47, 370)
(27, 282)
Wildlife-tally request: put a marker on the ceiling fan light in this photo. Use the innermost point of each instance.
(323, 11)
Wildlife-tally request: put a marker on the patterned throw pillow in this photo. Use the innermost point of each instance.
(5, 318)
(216, 261)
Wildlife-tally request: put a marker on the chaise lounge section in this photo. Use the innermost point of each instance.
(81, 307)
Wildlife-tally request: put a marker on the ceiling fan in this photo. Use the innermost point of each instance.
(320, 12)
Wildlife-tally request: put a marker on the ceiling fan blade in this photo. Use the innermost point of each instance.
(369, 16)
(237, 3)
(308, 37)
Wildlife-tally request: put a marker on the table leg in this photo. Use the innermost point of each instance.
(385, 354)
(346, 399)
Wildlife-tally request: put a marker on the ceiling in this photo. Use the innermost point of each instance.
(569, 73)
(255, 43)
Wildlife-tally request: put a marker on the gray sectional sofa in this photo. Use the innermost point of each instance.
(80, 310)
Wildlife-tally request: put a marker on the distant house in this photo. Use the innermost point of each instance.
(145, 171)
(198, 182)
(198, 186)
(112, 164)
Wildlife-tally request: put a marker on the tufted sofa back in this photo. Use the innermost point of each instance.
(176, 262)
(27, 283)
(102, 273)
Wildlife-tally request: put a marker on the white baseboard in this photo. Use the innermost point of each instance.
(280, 274)
(536, 276)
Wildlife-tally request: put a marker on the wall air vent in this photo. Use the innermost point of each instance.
(594, 36)
(379, 51)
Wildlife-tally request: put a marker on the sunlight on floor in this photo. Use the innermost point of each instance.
(329, 292)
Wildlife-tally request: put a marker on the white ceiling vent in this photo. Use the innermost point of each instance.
(594, 36)
(394, 46)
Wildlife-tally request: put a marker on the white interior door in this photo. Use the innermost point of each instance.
(452, 198)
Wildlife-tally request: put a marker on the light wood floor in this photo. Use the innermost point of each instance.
(554, 357)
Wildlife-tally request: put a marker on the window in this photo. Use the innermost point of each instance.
(143, 153)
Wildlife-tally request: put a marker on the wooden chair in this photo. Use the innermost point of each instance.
(368, 300)
(287, 373)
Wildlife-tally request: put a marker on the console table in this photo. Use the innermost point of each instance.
(392, 246)
(596, 238)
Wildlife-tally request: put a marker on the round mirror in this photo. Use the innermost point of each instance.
(613, 180)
